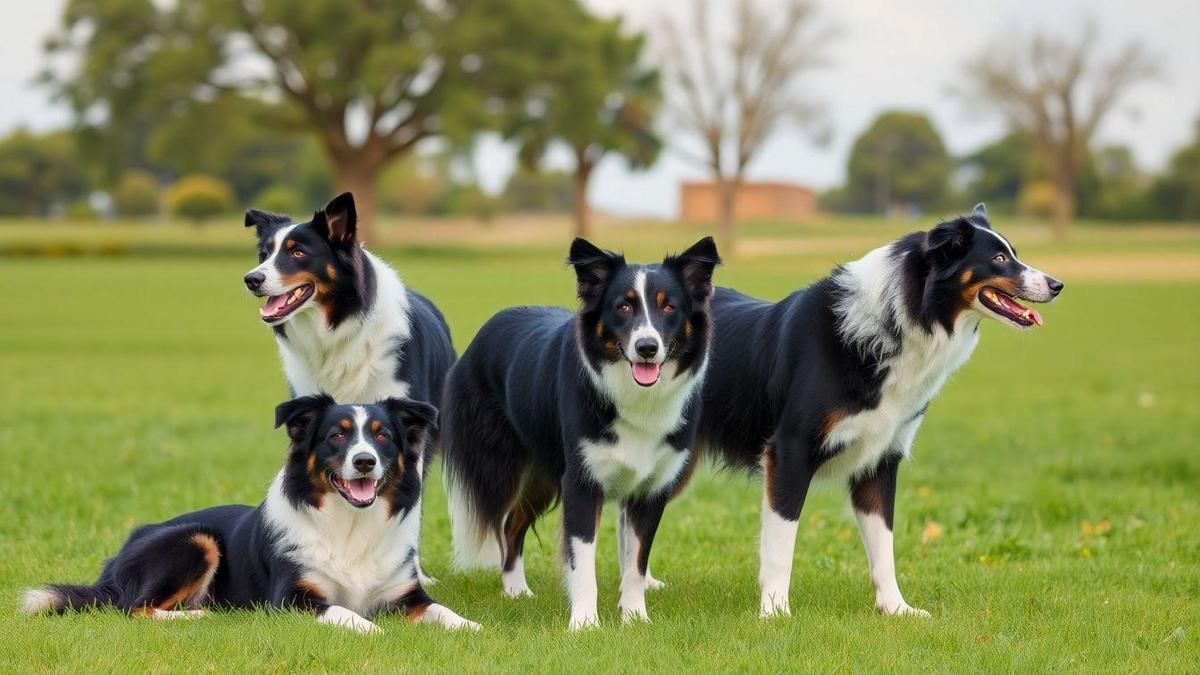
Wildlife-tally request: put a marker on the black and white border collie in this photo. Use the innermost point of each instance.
(546, 404)
(833, 381)
(345, 323)
(336, 534)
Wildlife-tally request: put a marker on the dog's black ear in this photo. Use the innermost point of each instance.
(340, 220)
(949, 240)
(593, 268)
(299, 414)
(980, 216)
(412, 418)
(263, 222)
(695, 266)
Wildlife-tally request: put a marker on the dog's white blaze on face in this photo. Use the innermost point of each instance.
(645, 328)
(360, 445)
(273, 285)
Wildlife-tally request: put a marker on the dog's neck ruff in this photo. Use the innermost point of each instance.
(871, 314)
(353, 361)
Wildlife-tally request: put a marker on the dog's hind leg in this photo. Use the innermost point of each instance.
(171, 568)
(531, 503)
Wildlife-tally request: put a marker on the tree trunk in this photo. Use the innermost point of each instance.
(727, 225)
(1063, 209)
(582, 215)
(359, 177)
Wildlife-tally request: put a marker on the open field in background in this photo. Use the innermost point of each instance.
(1048, 519)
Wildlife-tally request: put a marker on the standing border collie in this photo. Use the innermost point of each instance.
(345, 323)
(602, 404)
(833, 381)
(336, 534)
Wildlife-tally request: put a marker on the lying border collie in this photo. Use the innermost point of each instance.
(345, 323)
(833, 381)
(603, 404)
(336, 534)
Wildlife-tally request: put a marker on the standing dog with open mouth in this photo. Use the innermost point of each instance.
(345, 323)
(336, 534)
(547, 404)
(832, 382)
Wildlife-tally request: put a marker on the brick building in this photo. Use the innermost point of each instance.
(700, 201)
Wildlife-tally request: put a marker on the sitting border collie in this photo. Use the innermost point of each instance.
(546, 404)
(833, 381)
(345, 323)
(336, 534)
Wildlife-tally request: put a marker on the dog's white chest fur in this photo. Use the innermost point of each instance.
(638, 460)
(357, 558)
(922, 362)
(915, 376)
(355, 362)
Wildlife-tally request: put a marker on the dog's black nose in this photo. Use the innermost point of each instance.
(646, 347)
(364, 461)
(1055, 285)
(254, 280)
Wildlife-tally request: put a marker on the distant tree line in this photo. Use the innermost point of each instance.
(900, 165)
(197, 108)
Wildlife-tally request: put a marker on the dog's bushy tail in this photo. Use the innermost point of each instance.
(474, 540)
(59, 598)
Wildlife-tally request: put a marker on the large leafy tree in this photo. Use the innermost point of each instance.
(1057, 91)
(370, 79)
(38, 173)
(594, 95)
(899, 160)
(1176, 194)
(733, 81)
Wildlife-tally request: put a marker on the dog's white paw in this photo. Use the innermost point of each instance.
(345, 618)
(584, 622)
(774, 604)
(902, 609)
(653, 584)
(634, 614)
(517, 592)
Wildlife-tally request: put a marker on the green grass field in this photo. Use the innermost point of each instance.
(1050, 519)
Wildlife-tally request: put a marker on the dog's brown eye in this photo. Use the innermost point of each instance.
(382, 438)
(298, 254)
(339, 437)
(668, 309)
(625, 308)
(1000, 258)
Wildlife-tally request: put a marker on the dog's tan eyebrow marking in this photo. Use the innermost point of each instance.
(376, 425)
(631, 294)
(346, 424)
(661, 298)
(289, 244)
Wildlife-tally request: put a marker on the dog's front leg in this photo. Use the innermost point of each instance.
(582, 501)
(874, 500)
(787, 473)
(296, 594)
(641, 518)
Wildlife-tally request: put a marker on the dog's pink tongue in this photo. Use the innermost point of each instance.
(274, 305)
(646, 374)
(361, 489)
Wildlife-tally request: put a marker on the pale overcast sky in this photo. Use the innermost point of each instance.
(889, 55)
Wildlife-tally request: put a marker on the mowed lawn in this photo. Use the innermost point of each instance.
(1050, 519)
